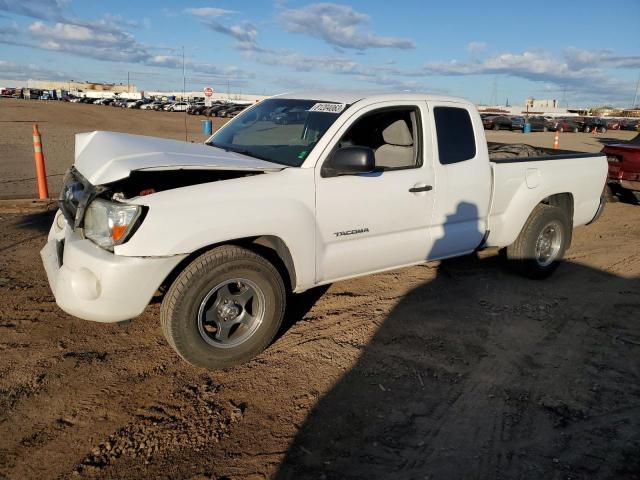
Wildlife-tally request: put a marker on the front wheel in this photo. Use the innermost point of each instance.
(539, 248)
(224, 308)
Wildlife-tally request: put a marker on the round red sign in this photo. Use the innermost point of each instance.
(208, 92)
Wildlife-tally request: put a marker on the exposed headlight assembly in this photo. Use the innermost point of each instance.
(110, 223)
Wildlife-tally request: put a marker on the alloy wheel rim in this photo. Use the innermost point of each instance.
(548, 244)
(231, 313)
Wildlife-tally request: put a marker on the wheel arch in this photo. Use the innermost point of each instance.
(565, 202)
(273, 248)
(506, 227)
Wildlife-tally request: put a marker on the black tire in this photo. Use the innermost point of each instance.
(561, 129)
(575, 130)
(496, 127)
(522, 254)
(182, 306)
(587, 129)
(610, 194)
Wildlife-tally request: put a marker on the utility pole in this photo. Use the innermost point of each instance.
(128, 89)
(184, 88)
(184, 79)
(493, 101)
(635, 97)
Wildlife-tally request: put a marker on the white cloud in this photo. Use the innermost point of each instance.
(245, 33)
(209, 12)
(581, 77)
(14, 71)
(43, 9)
(579, 58)
(338, 25)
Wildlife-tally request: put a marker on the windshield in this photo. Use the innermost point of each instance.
(279, 130)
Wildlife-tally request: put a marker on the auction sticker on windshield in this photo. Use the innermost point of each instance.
(328, 107)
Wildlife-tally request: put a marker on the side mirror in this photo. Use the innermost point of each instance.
(349, 161)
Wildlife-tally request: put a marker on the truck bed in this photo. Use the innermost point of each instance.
(522, 152)
(524, 176)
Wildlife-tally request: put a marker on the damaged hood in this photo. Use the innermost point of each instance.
(104, 157)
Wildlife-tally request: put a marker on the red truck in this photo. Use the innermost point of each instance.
(624, 168)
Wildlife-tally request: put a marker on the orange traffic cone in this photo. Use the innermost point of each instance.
(556, 140)
(41, 174)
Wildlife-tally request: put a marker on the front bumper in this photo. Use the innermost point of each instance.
(94, 284)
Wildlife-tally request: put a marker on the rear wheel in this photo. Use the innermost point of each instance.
(575, 130)
(610, 194)
(224, 308)
(496, 127)
(561, 129)
(539, 248)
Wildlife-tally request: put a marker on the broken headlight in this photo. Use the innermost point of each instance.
(110, 223)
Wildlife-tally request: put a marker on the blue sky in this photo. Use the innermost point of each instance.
(585, 52)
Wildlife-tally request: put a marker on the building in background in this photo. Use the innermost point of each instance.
(534, 104)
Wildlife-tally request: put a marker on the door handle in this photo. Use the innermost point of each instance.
(421, 188)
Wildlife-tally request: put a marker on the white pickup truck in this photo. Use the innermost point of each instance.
(298, 191)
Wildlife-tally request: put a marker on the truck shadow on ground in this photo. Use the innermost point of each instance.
(482, 374)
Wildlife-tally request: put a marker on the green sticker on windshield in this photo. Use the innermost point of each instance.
(302, 154)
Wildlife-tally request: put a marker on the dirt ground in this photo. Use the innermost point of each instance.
(457, 369)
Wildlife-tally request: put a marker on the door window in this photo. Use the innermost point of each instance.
(393, 135)
(456, 141)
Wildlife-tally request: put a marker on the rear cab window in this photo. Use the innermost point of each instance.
(455, 135)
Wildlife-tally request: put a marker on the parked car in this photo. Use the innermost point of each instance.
(151, 105)
(538, 124)
(231, 228)
(612, 124)
(594, 124)
(213, 111)
(197, 109)
(498, 122)
(517, 123)
(226, 112)
(624, 168)
(629, 124)
(564, 125)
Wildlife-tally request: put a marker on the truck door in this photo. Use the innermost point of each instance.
(464, 181)
(376, 221)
